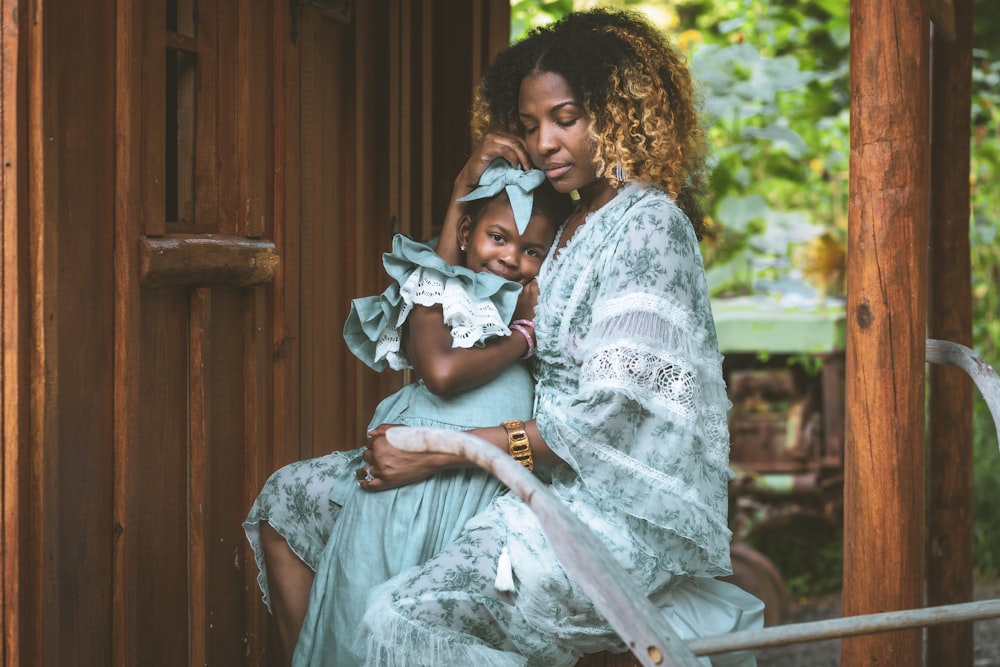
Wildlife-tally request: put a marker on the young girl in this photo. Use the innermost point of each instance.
(630, 404)
(450, 323)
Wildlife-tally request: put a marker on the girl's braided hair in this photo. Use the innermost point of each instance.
(634, 86)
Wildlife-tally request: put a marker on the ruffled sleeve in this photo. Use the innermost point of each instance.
(477, 306)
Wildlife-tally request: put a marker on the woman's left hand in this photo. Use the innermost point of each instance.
(388, 467)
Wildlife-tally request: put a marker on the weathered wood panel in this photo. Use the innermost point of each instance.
(886, 325)
(66, 497)
(950, 452)
(147, 417)
(14, 298)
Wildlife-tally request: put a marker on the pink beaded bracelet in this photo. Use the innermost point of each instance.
(527, 336)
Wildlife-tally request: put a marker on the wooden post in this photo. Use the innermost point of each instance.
(886, 320)
(949, 515)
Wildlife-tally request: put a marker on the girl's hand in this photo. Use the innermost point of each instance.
(388, 467)
(526, 301)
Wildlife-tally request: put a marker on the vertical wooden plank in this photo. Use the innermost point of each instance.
(187, 116)
(243, 114)
(229, 392)
(311, 177)
(158, 494)
(206, 131)
(232, 209)
(886, 325)
(950, 491)
(13, 368)
(41, 535)
(423, 211)
(258, 395)
(199, 466)
(152, 176)
(272, 306)
(256, 47)
(128, 212)
(287, 444)
(81, 145)
(394, 95)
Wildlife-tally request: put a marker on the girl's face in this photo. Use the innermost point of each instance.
(555, 130)
(493, 244)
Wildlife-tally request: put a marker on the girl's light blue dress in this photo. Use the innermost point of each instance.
(354, 539)
(630, 395)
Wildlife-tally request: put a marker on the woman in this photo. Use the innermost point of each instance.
(630, 404)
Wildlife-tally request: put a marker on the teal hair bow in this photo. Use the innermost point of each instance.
(518, 183)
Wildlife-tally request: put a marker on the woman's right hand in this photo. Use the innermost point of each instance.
(493, 146)
(388, 467)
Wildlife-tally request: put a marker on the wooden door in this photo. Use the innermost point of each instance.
(192, 193)
(196, 257)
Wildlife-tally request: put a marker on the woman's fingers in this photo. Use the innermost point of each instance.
(509, 148)
(493, 146)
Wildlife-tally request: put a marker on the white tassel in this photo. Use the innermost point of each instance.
(505, 573)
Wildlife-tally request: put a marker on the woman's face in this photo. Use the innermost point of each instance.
(493, 244)
(555, 130)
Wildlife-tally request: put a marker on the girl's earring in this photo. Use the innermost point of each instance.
(462, 248)
(620, 173)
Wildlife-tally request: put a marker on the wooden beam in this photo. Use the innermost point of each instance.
(886, 321)
(14, 381)
(950, 452)
(199, 260)
(944, 18)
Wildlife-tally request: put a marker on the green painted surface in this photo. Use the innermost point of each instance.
(765, 325)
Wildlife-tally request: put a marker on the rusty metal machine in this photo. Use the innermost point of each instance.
(784, 369)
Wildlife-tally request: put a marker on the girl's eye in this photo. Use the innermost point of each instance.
(533, 253)
(529, 130)
(496, 238)
(568, 123)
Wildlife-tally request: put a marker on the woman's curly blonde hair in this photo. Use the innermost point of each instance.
(634, 86)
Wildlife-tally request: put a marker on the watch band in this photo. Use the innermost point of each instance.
(518, 444)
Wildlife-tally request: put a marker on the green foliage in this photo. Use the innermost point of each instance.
(774, 81)
(528, 14)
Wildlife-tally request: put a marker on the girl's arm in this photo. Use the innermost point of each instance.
(494, 145)
(448, 370)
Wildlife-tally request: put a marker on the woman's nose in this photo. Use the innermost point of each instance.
(546, 140)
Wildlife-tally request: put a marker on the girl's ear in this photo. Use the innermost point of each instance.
(464, 233)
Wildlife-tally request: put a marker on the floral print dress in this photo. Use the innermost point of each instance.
(630, 395)
(355, 539)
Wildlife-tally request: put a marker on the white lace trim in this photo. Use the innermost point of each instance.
(629, 306)
(646, 374)
(470, 319)
(390, 639)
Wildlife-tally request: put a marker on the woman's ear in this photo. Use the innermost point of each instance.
(464, 233)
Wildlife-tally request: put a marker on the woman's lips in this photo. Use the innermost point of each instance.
(557, 171)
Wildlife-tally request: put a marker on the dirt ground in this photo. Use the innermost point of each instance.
(827, 653)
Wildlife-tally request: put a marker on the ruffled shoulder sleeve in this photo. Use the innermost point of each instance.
(476, 306)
